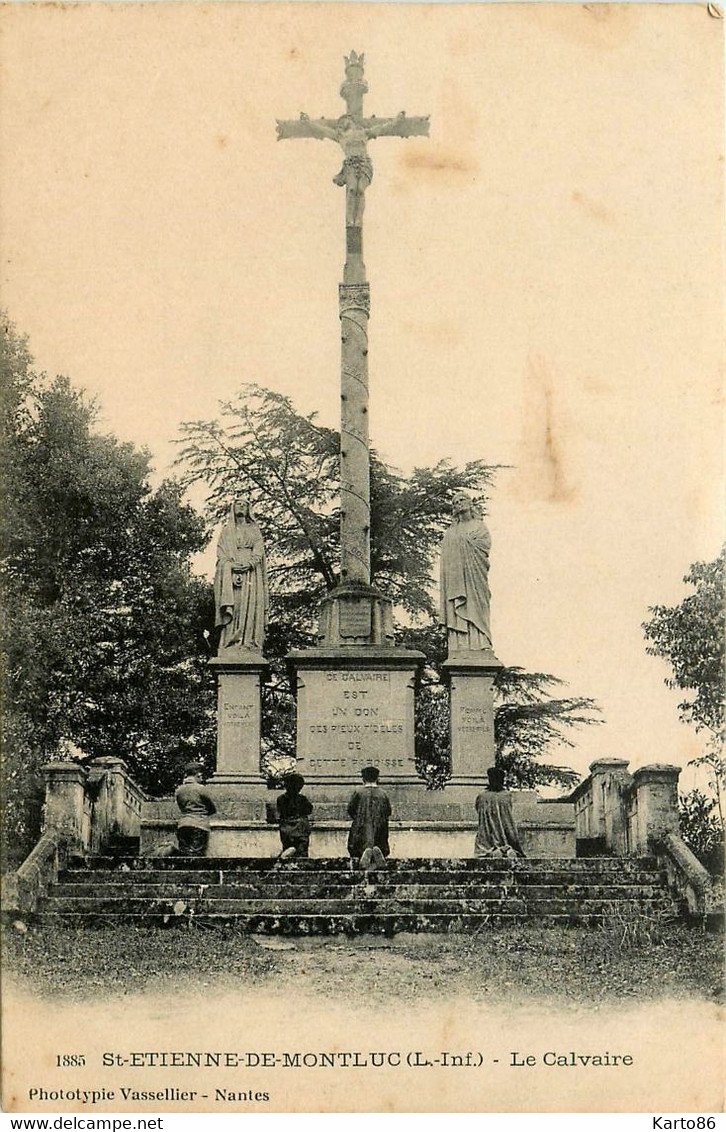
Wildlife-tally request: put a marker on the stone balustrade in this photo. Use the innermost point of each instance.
(86, 807)
(621, 813)
(21, 890)
(624, 814)
(90, 804)
(117, 802)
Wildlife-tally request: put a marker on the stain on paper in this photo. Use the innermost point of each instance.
(543, 461)
(437, 163)
(444, 332)
(593, 207)
(596, 386)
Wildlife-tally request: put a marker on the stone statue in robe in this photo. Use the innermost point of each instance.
(465, 594)
(240, 582)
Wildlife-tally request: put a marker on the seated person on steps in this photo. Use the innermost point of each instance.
(497, 835)
(370, 810)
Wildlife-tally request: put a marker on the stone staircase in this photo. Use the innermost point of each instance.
(326, 896)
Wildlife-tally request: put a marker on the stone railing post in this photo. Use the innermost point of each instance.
(608, 819)
(117, 810)
(64, 797)
(656, 786)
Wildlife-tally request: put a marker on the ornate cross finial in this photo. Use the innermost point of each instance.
(355, 86)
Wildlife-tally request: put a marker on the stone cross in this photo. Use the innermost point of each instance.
(352, 132)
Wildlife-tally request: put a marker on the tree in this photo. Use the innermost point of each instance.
(102, 640)
(690, 636)
(702, 830)
(289, 464)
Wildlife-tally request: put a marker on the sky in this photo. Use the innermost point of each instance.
(546, 274)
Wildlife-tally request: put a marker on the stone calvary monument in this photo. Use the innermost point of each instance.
(355, 689)
(356, 706)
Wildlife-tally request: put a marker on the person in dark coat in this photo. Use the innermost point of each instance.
(294, 810)
(497, 835)
(370, 810)
(192, 829)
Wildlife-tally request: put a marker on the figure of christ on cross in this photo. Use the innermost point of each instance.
(356, 173)
(352, 132)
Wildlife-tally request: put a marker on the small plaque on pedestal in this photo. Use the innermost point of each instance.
(356, 617)
(240, 674)
(471, 680)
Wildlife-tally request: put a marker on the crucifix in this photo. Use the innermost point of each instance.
(352, 132)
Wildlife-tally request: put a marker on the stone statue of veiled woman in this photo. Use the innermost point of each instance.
(240, 582)
(465, 595)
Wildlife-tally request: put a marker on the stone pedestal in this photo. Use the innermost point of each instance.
(353, 616)
(424, 823)
(240, 675)
(471, 682)
(355, 708)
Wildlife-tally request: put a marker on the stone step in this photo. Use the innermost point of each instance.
(329, 896)
(381, 903)
(121, 846)
(280, 889)
(351, 923)
(283, 875)
(621, 866)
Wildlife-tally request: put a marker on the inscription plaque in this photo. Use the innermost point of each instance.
(347, 719)
(355, 617)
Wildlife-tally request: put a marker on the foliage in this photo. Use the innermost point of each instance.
(528, 723)
(102, 639)
(289, 465)
(702, 830)
(690, 636)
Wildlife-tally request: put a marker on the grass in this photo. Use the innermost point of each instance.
(618, 962)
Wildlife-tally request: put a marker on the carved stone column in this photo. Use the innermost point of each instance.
(355, 508)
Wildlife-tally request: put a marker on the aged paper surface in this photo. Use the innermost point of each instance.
(547, 294)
